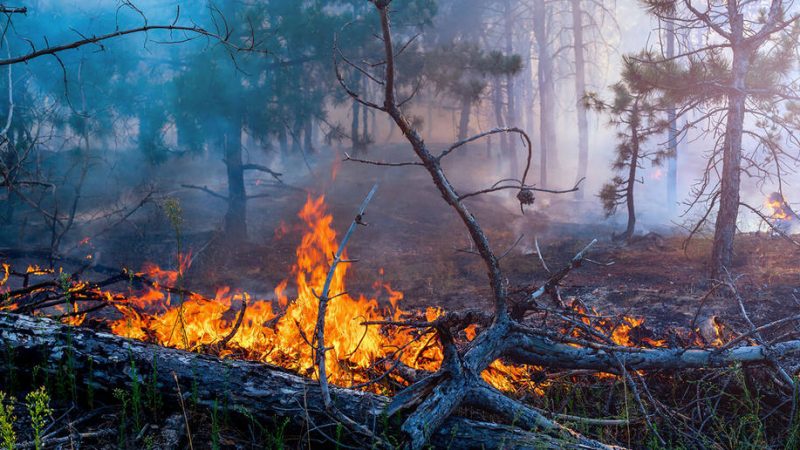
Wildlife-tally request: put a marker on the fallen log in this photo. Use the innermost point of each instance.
(262, 390)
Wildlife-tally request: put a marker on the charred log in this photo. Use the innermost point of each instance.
(261, 390)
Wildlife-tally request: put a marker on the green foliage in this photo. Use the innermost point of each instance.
(215, 426)
(461, 69)
(7, 419)
(636, 112)
(153, 395)
(38, 404)
(124, 398)
(135, 395)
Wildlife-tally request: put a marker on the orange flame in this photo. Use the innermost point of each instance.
(777, 204)
(284, 336)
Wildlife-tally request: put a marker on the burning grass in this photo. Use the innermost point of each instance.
(153, 306)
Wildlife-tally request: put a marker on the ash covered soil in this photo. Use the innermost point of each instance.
(417, 244)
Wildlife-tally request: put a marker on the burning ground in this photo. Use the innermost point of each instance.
(650, 293)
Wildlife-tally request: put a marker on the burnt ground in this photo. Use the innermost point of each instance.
(423, 249)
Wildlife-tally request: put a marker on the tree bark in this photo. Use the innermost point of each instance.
(672, 133)
(725, 229)
(106, 361)
(580, 90)
(463, 124)
(236, 215)
(546, 92)
(497, 101)
(355, 137)
(630, 200)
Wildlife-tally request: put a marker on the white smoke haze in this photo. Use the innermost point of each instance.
(120, 174)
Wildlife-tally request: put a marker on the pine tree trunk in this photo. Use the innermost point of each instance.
(497, 101)
(354, 127)
(365, 126)
(308, 136)
(282, 142)
(580, 89)
(634, 164)
(236, 216)
(511, 106)
(672, 134)
(725, 229)
(546, 93)
(463, 124)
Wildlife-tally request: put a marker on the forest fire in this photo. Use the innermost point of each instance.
(233, 324)
(282, 336)
(780, 210)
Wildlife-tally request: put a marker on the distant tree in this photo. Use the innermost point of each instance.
(78, 101)
(542, 27)
(740, 82)
(637, 116)
(461, 71)
(588, 24)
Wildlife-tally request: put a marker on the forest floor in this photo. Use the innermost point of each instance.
(415, 243)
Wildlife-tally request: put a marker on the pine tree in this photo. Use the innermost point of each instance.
(739, 77)
(637, 115)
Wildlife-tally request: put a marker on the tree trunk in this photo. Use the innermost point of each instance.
(580, 90)
(634, 164)
(511, 106)
(236, 216)
(672, 134)
(308, 136)
(497, 102)
(546, 92)
(463, 124)
(283, 143)
(106, 362)
(725, 229)
(354, 127)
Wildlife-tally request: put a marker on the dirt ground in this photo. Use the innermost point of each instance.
(422, 249)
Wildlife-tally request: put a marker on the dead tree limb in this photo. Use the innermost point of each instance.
(260, 390)
(319, 344)
(504, 334)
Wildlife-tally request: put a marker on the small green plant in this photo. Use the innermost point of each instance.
(152, 394)
(215, 426)
(136, 395)
(8, 438)
(90, 384)
(174, 213)
(339, 432)
(66, 373)
(278, 439)
(195, 387)
(124, 399)
(149, 442)
(38, 404)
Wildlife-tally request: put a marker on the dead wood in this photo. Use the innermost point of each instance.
(571, 339)
(260, 390)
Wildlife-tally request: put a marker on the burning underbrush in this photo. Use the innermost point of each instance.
(366, 334)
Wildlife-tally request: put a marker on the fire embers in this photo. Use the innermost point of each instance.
(782, 217)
